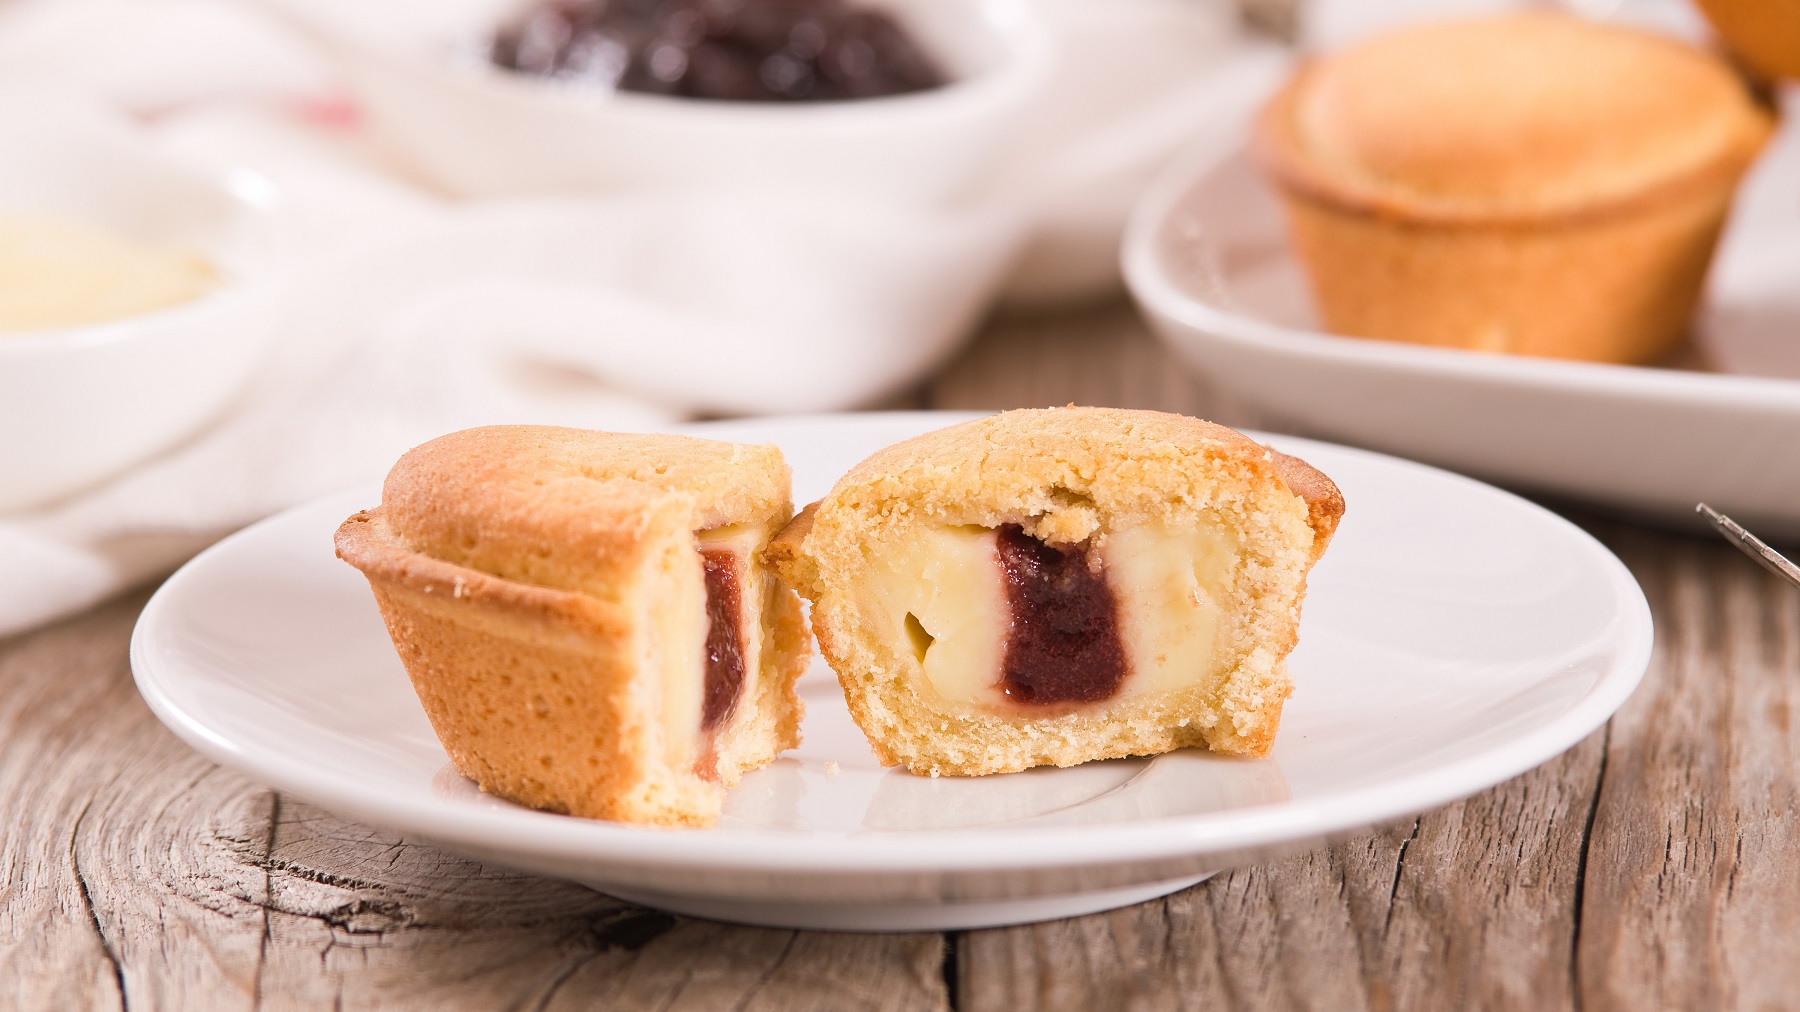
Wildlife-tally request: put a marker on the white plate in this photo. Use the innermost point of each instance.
(1455, 636)
(1207, 257)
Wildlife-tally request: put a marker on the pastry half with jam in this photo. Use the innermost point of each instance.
(586, 616)
(1050, 587)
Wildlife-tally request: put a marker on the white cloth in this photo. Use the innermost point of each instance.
(404, 315)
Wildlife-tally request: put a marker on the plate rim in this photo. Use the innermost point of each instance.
(524, 832)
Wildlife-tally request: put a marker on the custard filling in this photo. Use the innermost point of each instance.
(942, 598)
(998, 620)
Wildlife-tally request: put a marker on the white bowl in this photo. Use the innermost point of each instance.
(79, 404)
(420, 73)
(1207, 257)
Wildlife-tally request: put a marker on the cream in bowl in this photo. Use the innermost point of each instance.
(130, 304)
(57, 273)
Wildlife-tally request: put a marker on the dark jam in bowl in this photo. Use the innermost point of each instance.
(731, 50)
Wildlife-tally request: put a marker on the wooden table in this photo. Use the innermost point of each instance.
(1655, 865)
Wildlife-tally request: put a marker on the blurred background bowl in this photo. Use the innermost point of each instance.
(78, 404)
(420, 73)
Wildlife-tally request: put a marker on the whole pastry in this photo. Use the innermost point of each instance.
(1056, 586)
(1530, 183)
(586, 616)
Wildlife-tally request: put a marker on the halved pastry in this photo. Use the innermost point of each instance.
(585, 615)
(1056, 586)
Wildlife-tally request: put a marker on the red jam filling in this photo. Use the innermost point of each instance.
(1063, 645)
(724, 637)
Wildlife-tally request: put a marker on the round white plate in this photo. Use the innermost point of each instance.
(1207, 257)
(1454, 636)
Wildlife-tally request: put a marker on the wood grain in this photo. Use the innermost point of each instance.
(1655, 865)
(137, 874)
(1098, 355)
(52, 709)
(1468, 906)
(1692, 893)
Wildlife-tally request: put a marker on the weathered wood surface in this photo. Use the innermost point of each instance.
(1655, 865)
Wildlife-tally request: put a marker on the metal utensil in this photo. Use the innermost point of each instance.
(1751, 545)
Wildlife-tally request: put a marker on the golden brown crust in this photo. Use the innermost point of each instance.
(1324, 502)
(1529, 184)
(784, 554)
(1615, 289)
(365, 541)
(571, 508)
(562, 663)
(527, 576)
(1763, 33)
(1324, 508)
(1052, 432)
(1509, 119)
(1065, 474)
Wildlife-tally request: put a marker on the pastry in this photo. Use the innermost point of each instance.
(1765, 34)
(1048, 587)
(586, 616)
(1529, 183)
